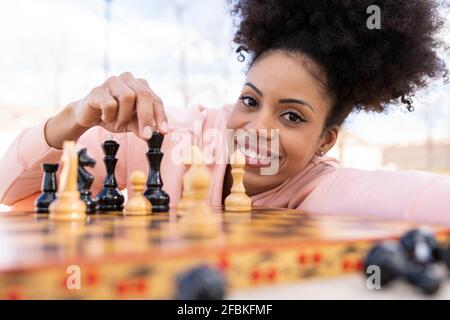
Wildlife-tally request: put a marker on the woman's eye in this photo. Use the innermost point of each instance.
(293, 117)
(249, 101)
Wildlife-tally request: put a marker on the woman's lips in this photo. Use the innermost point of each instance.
(256, 159)
(255, 163)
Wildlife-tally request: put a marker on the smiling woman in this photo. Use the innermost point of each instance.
(311, 64)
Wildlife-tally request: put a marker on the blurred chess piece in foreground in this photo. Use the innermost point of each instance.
(186, 201)
(68, 206)
(199, 221)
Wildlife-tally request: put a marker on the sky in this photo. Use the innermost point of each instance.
(51, 53)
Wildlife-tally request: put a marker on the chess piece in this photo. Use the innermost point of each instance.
(421, 246)
(155, 194)
(199, 221)
(85, 180)
(187, 198)
(390, 258)
(428, 278)
(238, 200)
(68, 206)
(138, 204)
(110, 198)
(201, 283)
(393, 262)
(48, 188)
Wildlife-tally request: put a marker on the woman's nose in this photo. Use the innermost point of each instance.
(261, 120)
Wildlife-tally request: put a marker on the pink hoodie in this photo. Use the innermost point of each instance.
(322, 187)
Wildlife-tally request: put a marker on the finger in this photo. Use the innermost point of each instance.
(133, 126)
(143, 81)
(159, 113)
(103, 103)
(144, 108)
(126, 98)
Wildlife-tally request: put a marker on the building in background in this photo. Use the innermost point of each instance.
(430, 156)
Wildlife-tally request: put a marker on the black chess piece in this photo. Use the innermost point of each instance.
(395, 263)
(48, 188)
(85, 180)
(201, 283)
(390, 258)
(110, 198)
(159, 198)
(421, 246)
(427, 278)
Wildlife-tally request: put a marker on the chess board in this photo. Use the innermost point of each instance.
(123, 257)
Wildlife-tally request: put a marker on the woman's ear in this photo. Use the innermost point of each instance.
(327, 140)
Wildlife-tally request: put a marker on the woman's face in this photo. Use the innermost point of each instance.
(280, 93)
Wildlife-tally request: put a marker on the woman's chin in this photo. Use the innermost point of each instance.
(255, 183)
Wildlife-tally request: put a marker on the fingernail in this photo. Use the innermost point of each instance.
(164, 126)
(147, 132)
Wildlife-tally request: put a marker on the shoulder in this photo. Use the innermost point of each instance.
(326, 161)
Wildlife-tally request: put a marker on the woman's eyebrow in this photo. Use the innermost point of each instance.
(251, 85)
(299, 101)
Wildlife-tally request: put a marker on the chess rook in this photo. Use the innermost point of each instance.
(155, 194)
(68, 206)
(110, 198)
(85, 180)
(48, 189)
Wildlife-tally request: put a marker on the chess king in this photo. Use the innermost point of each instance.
(307, 72)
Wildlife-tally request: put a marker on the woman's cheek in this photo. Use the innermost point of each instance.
(297, 153)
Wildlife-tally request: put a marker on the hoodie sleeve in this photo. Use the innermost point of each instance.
(20, 167)
(415, 196)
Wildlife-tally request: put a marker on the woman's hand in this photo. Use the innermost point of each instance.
(121, 104)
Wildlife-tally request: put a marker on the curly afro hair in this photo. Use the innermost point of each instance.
(364, 69)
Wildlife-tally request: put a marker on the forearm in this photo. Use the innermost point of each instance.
(63, 127)
(20, 166)
(416, 196)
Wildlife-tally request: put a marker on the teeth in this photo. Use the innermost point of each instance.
(252, 154)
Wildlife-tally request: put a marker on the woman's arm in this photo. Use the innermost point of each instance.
(20, 166)
(416, 196)
(120, 104)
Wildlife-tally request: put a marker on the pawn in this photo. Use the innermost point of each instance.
(138, 205)
(48, 188)
(238, 200)
(187, 197)
(199, 221)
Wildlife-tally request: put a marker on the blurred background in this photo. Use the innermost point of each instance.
(55, 51)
